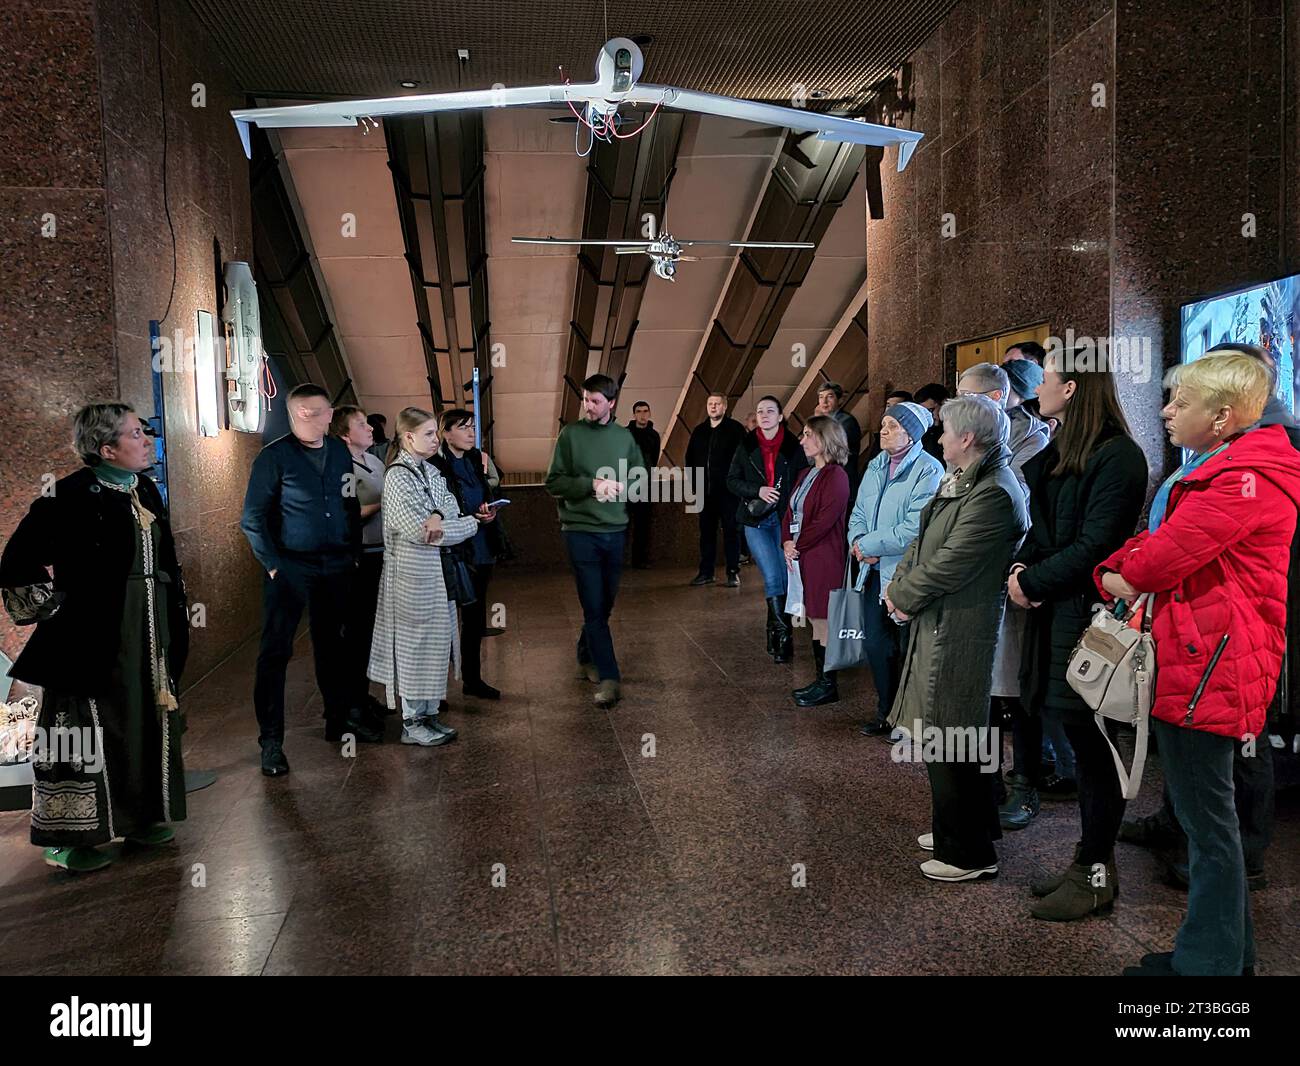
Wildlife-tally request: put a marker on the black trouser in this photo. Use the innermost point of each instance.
(1252, 779)
(359, 623)
(473, 624)
(965, 817)
(1027, 743)
(884, 646)
(1101, 802)
(322, 587)
(638, 532)
(597, 562)
(719, 507)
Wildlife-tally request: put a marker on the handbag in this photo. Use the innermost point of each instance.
(458, 577)
(761, 508)
(846, 625)
(1113, 669)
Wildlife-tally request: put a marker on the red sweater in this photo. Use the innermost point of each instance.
(1218, 565)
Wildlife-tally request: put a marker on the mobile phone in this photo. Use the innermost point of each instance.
(498, 503)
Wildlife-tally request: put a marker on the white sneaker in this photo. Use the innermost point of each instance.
(419, 733)
(926, 841)
(941, 871)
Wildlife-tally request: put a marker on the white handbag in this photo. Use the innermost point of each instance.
(1113, 669)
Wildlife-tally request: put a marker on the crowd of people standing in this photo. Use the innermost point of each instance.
(984, 528)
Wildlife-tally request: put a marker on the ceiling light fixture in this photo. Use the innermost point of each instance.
(408, 84)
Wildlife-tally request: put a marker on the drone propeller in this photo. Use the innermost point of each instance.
(640, 245)
(753, 244)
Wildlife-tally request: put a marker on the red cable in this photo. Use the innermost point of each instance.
(625, 136)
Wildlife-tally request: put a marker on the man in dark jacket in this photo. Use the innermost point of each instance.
(932, 397)
(829, 397)
(303, 522)
(1252, 774)
(712, 445)
(638, 514)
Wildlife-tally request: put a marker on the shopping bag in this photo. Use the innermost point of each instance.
(846, 625)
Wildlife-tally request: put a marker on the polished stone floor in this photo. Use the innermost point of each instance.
(614, 860)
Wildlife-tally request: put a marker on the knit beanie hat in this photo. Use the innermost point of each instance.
(914, 418)
(1025, 375)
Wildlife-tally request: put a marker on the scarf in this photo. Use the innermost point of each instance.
(769, 448)
(1160, 504)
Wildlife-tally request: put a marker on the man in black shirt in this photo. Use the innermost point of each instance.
(303, 522)
(932, 397)
(713, 443)
(829, 397)
(638, 527)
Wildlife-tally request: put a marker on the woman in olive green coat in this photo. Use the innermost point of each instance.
(951, 585)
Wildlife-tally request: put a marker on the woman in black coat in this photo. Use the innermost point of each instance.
(1086, 491)
(762, 477)
(93, 567)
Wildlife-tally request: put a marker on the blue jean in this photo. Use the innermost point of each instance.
(597, 561)
(1054, 728)
(764, 542)
(1217, 936)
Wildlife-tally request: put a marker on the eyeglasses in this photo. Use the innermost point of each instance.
(970, 392)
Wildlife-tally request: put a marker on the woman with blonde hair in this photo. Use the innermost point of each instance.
(812, 537)
(415, 625)
(1214, 555)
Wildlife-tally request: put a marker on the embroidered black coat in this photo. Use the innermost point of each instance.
(83, 533)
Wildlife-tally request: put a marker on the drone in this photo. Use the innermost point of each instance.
(665, 250)
(594, 104)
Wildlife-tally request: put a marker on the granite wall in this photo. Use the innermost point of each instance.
(1095, 158)
(83, 108)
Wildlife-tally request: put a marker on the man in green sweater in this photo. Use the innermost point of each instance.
(593, 462)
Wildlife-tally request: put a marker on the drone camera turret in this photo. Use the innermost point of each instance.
(619, 64)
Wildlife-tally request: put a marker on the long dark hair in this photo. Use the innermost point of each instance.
(1093, 410)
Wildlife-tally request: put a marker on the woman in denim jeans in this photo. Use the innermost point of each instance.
(1214, 554)
(762, 476)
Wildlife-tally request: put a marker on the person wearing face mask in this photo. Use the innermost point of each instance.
(1214, 554)
(93, 567)
(896, 486)
(303, 523)
(713, 443)
(1085, 494)
(761, 477)
(415, 624)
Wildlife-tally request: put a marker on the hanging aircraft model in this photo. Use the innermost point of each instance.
(595, 104)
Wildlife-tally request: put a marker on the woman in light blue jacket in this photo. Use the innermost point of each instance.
(886, 518)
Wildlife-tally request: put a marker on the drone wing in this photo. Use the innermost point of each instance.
(634, 246)
(349, 112)
(827, 127)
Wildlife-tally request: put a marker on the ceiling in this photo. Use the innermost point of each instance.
(285, 50)
(754, 50)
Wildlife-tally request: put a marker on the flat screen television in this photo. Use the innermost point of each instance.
(1267, 315)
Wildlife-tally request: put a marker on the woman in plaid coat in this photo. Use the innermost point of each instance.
(415, 625)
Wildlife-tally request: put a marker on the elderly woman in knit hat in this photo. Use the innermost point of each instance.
(896, 486)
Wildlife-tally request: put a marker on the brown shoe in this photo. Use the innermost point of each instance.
(1078, 896)
(588, 672)
(607, 694)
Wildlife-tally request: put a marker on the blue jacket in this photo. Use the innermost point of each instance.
(887, 517)
(292, 511)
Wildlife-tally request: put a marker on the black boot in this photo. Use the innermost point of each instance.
(823, 690)
(773, 622)
(784, 640)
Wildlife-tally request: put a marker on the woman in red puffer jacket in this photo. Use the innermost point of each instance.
(1215, 554)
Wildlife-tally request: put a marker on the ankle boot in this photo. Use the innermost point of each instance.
(1077, 896)
(1048, 885)
(1021, 805)
(784, 639)
(773, 623)
(824, 689)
